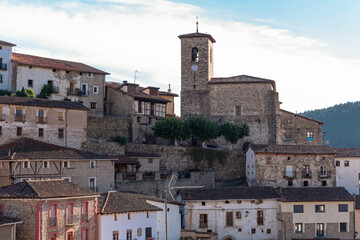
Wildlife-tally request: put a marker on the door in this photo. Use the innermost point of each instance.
(289, 171)
(148, 232)
(70, 236)
(320, 230)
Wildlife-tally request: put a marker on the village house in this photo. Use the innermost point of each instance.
(230, 213)
(51, 209)
(61, 123)
(31, 159)
(347, 165)
(126, 216)
(8, 227)
(290, 165)
(316, 212)
(5, 64)
(170, 106)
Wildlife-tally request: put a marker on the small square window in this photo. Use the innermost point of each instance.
(298, 208)
(227, 202)
(18, 131)
(92, 164)
(346, 163)
(253, 230)
(343, 227)
(343, 207)
(337, 163)
(323, 183)
(93, 105)
(66, 164)
(238, 201)
(239, 230)
(61, 133)
(268, 231)
(203, 203)
(46, 164)
(306, 183)
(41, 132)
(290, 183)
(96, 89)
(89, 75)
(30, 83)
(26, 164)
(319, 208)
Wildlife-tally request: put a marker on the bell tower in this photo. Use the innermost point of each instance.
(196, 70)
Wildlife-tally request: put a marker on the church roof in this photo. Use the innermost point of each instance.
(197, 35)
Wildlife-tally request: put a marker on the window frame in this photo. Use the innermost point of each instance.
(341, 206)
(61, 133)
(86, 229)
(203, 220)
(260, 217)
(18, 131)
(41, 132)
(56, 215)
(346, 163)
(341, 227)
(298, 210)
(97, 89)
(296, 229)
(32, 83)
(85, 205)
(318, 208)
(68, 164)
(229, 219)
(47, 164)
(71, 204)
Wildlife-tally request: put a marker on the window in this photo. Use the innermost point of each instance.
(239, 229)
(128, 234)
(26, 164)
(92, 164)
(337, 163)
(93, 105)
(160, 110)
(146, 108)
(148, 233)
(66, 178)
(53, 215)
(194, 54)
(310, 136)
(203, 203)
(41, 132)
(320, 230)
(96, 89)
(323, 171)
(61, 133)
(253, 230)
(290, 183)
(66, 164)
(92, 183)
(90, 75)
(1, 78)
(323, 183)
(260, 217)
(18, 131)
(346, 163)
(298, 208)
(69, 213)
(227, 202)
(147, 215)
(70, 235)
(287, 134)
(238, 201)
(18, 114)
(1, 209)
(343, 207)
(343, 227)
(45, 164)
(30, 83)
(53, 236)
(203, 221)
(85, 212)
(238, 214)
(84, 89)
(298, 227)
(50, 82)
(115, 235)
(306, 183)
(60, 116)
(0, 130)
(129, 216)
(229, 219)
(268, 231)
(237, 110)
(85, 234)
(319, 208)
(139, 104)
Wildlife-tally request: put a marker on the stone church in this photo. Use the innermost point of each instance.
(239, 98)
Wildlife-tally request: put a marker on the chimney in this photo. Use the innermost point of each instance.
(124, 82)
(169, 90)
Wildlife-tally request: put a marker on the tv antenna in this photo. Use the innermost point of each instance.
(135, 77)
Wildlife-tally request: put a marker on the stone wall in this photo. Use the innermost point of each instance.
(99, 147)
(103, 128)
(118, 103)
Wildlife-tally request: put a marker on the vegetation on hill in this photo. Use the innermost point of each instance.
(342, 128)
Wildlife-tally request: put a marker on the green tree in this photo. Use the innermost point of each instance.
(233, 132)
(46, 91)
(170, 128)
(4, 92)
(25, 93)
(202, 128)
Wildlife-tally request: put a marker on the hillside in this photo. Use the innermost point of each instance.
(342, 124)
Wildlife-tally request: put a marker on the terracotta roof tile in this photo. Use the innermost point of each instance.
(347, 152)
(229, 193)
(118, 202)
(30, 60)
(38, 102)
(39, 189)
(292, 149)
(148, 98)
(26, 148)
(197, 35)
(314, 194)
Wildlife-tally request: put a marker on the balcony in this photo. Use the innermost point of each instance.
(41, 120)
(306, 174)
(3, 66)
(20, 118)
(324, 174)
(289, 174)
(74, 92)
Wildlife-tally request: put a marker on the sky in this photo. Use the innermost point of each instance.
(310, 48)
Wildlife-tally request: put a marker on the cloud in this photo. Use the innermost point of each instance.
(120, 36)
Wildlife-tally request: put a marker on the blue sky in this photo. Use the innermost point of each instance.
(310, 48)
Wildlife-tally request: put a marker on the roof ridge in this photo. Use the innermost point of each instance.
(106, 200)
(32, 187)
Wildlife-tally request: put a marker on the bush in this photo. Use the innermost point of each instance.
(46, 91)
(170, 128)
(4, 92)
(25, 93)
(119, 139)
(233, 132)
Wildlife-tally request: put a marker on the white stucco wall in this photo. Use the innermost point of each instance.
(173, 219)
(216, 211)
(348, 177)
(250, 168)
(5, 54)
(107, 224)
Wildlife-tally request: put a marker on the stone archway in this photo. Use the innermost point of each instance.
(229, 237)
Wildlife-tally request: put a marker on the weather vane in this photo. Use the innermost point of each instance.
(197, 25)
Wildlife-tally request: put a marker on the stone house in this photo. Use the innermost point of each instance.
(51, 209)
(149, 163)
(5, 63)
(170, 106)
(143, 105)
(61, 123)
(290, 165)
(126, 216)
(231, 213)
(31, 159)
(316, 212)
(8, 227)
(347, 164)
(241, 98)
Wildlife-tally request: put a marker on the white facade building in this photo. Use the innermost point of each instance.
(124, 216)
(5, 66)
(232, 213)
(347, 164)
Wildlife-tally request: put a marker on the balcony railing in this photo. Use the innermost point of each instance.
(2, 117)
(203, 225)
(75, 92)
(306, 174)
(324, 174)
(20, 118)
(289, 174)
(84, 217)
(41, 119)
(95, 188)
(53, 221)
(3, 66)
(84, 92)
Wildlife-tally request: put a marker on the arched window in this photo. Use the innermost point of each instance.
(195, 55)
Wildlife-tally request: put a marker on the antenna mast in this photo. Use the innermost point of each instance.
(135, 77)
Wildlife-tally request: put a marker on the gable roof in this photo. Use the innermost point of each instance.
(229, 193)
(314, 194)
(347, 152)
(164, 93)
(298, 115)
(124, 159)
(7, 44)
(292, 149)
(38, 102)
(42, 189)
(30, 60)
(28, 149)
(197, 35)
(118, 202)
(142, 154)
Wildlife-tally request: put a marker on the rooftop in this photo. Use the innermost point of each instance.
(197, 35)
(38, 102)
(164, 93)
(347, 152)
(42, 189)
(118, 202)
(7, 44)
(292, 149)
(31, 149)
(250, 193)
(124, 159)
(30, 60)
(314, 194)
(6, 220)
(298, 115)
